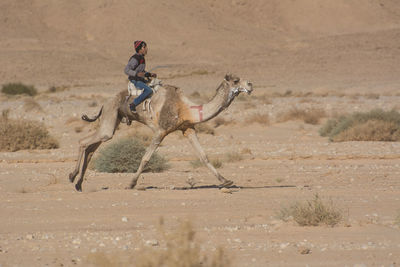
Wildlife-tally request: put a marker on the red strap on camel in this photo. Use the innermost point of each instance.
(200, 109)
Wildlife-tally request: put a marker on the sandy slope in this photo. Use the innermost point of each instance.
(340, 51)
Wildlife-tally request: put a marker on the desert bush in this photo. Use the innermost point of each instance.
(233, 157)
(22, 134)
(312, 213)
(178, 248)
(197, 163)
(310, 116)
(30, 105)
(258, 118)
(125, 156)
(57, 89)
(18, 89)
(397, 219)
(375, 125)
(218, 121)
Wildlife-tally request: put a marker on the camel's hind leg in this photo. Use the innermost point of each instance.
(192, 136)
(157, 139)
(82, 147)
(88, 151)
(87, 146)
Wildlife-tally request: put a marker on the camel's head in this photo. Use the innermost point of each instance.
(238, 85)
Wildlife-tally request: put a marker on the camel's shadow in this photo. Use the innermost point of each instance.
(219, 187)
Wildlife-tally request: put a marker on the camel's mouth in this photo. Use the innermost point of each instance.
(247, 89)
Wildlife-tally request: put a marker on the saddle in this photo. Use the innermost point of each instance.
(154, 84)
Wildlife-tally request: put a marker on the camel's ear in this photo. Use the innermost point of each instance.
(228, 77)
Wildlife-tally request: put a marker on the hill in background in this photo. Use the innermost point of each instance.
(304, 44)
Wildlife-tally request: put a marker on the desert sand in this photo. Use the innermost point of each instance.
(336, 56)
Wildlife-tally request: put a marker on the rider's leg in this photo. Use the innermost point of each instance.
(145, 94)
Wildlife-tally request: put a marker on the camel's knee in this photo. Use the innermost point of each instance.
(106, 137)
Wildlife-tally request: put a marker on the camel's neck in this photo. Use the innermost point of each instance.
(222, 99)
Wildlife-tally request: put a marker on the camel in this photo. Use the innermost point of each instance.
(168, 111)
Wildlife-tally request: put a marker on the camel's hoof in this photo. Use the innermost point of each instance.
(227, 183)
(71, 178)
(78, 188)
(130, 187)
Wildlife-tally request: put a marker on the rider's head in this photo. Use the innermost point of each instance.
(140, 47)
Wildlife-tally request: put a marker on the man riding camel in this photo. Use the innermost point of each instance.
(135, 69)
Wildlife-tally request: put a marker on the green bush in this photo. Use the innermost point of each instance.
(17, 135)
(18, 89)
(376, 125)
(125, 156)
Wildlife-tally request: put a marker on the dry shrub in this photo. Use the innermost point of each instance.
(204, 128)
(233, 157)
(18, 89)
(372, 130)
(310, 116)
(218, 121)
(397, 219)
(31, 105)
(23, 134)
(312, 213)
(198, 163)
(376, 125)
(125, 155)
(178, 248)
(57, 89)
(265, 99)
(246, 151)
(372, 96)
(258, 118)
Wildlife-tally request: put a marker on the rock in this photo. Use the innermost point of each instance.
(152, 242)
(226, 190)
(304, 251)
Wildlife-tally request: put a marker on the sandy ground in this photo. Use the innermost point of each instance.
(344, 66)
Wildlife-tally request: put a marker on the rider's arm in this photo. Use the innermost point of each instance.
(131, 66)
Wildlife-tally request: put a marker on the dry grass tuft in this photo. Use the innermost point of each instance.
(58, 89)
(397, 219)
(376, 125)
(204, 128)
(178, 248)
(262, 119)
(218, 121)
(22, 134)
(310, 116)
(197, 163)
(31, 105)
(233, 157)
(312, 213)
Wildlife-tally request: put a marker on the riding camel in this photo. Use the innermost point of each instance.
(168, 110)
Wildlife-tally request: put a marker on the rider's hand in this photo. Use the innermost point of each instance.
(141, 74)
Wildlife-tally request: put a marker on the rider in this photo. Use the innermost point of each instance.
(135, 69)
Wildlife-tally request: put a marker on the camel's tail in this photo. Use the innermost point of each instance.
(86, 118)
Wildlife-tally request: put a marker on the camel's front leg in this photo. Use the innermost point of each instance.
(149, 152)
(192, 136)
